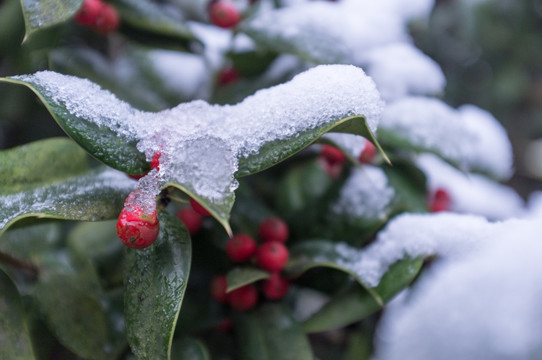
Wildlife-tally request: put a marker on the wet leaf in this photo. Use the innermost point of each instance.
(97, 195)
(155, 283)
(15, 342)
(241, 276)
(356, 303)
(40, 14)
(271, 333)
(189, 349)
(41, 162)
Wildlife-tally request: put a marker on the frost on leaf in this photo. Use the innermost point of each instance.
(488, 302)
(202, 145)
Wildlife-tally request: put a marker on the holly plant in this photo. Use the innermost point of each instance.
(216, 177)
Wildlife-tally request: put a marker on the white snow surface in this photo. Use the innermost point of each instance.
(492, 151)
(485, 305)
(202, 143)
(468, 137)
(366, 194)
(313, 28)
(400, 69)
(471, 193)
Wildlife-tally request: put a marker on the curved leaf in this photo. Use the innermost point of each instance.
(40, 162)
(15, 342)
(152, 16)
(242, 276)
(155, 283)
(322, 253)
(98, 195)
(39, 14)
(111, 147)
(189, 349)
(204, 146)
(355, 304)
(271, 333)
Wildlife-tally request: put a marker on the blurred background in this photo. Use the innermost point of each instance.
(489, 50)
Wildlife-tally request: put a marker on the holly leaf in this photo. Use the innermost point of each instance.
(155, 283)
(15, 342)
(97, 195)
(271, 333)
(153, 17)
(41, 162)
(189, 349)
(241, 276)
(355, 303)
(40, 14)
(229, 141)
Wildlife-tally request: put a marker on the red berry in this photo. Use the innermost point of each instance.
(224, 14)
(440, 201)
(273, 229)
(243, 298)
(333, 170)
(155, 162)
(368, 154)
(137, 229)
(219, 285)
(272, 256)
(240, 248)
(136, 177)
(198, 208)
(89, 12)
(276, 287)
(332, 154)
(108, 20)
(191, 219)
(227, 76)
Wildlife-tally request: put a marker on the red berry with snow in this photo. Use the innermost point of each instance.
(244, 298)
(155, 162)
(275, 287)
(219, 285)
(191, 219)
(273, 229)
(333, 155)
(224, 14)
(89, 12)
(368, 153)
(137, 229)
(272, 256)
(440, 201)
(198, 208)
(108, 19)
(240, 248)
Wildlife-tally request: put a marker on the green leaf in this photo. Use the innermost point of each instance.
(108, 146)
(409, 184)
(276, 151)
(271, 333)
(155, 283)
(241, 276)
(40, 14)
(355, 303)
(323, 253)
(40, 162)
(153, 17)
(73, 311)
(15, 342)
(31, 242)
(98, 195)
(189, 349)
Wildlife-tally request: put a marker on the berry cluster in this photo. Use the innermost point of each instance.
(272, 255)
(102, 17)
(333, 159)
